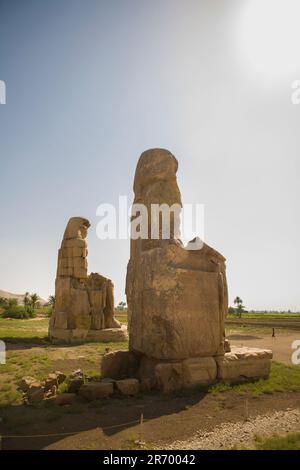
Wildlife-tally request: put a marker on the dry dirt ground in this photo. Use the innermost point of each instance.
(281, 345)
(166, 421)
(171, 421)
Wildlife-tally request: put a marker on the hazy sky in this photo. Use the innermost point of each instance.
(91, 84)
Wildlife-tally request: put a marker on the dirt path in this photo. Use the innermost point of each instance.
(228, 435)
(280, 345)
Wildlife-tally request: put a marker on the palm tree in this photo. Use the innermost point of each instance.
(239, 306)
(34, 301)
(26, 299)
(51, 300)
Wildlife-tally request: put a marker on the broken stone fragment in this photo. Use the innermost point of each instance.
(128, 387)
(96, 390)
(119, 365)
(244, 363)
(51, 381)
(25, 383)
(76, 379)
(61, 377)
(52, 392)
(35, 392)
(65, 399)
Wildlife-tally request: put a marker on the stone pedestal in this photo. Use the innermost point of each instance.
(106, 335)
(239, 365)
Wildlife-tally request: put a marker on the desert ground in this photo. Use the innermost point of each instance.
(222, 417)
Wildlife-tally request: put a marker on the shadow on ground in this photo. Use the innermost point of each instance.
(107, 417)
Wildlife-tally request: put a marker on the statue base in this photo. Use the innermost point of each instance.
(239, 365)
(106, 335)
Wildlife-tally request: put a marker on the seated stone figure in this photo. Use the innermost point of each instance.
(177, 297)
(84, 304)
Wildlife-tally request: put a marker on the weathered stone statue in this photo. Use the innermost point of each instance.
(84, 304)
(177, 297)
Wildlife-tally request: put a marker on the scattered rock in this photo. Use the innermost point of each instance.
(61, 377)
(128, 387)
(25, 383)
(95, 390)
(51, 381)
(78, 373)
(35, 392)
(76, 380)
(52, 392)
(65, 399)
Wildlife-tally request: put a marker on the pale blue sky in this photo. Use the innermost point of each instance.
(91, 84)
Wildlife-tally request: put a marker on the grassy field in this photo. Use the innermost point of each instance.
(267, 315)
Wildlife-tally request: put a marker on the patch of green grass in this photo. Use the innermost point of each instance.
(33, 330)
(219, 388)
(282, 378)
(289, 442)
(267, 315)
(137, 443)
(10, 397)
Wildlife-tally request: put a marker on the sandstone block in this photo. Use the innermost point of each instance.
(244, 364)
(119, 365)
(76, 380)
(169, 376)
(51, 392)
(95, 390)
(51, 381)
(199, 371)
(128, 387)
(26, 382)
(108, 335)
(65, 399)
(35, 396)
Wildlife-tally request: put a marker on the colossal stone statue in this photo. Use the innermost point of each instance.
(84, 304)
(177, 296)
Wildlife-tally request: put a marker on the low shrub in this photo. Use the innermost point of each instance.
(19, 312)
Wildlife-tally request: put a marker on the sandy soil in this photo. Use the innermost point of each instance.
(281, 345)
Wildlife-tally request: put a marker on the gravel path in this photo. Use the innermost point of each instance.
(240, 434)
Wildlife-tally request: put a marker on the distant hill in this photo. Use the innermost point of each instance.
(19, 297)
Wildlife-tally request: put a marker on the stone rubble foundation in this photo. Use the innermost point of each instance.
(239, 365)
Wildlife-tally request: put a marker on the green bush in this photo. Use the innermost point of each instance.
(19, 312)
